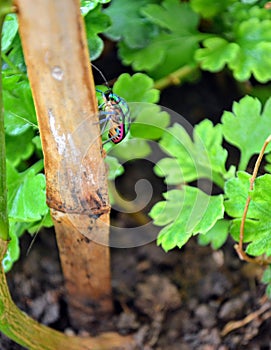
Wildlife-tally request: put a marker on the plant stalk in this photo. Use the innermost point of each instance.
(239, 247)
(175, 78)
(4, 231)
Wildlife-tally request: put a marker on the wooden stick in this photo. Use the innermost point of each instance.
(56, 54)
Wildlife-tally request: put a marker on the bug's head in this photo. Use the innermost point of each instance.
(110, 96)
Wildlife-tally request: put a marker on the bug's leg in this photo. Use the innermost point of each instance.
(108, 140)
(104, 125)
(108, 114)
(105, 119)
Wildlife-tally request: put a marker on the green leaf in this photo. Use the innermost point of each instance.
(129, 24)
(257, 225)
(10, 29)
(246, 128)
(115, 168)
(88, 5)
(170, 169)
(16, 229)
(209, 8)
(130, 149)
(19, 110)
(26, 195)
(254, 39)
(217, 52)
(9, 81)
(236, 192)
(46, 221)
(246, 54)
(212, 137)
(239, 12)
(203, 158)
(13, 251)
(19, 147)
(16, 57)
(96, 22)
(268, 291)
(165, 16)
(150, 122)
(216, 236)
(249, 1)
(173, 46)
(185, 213)
(268, 165)
(136, 88)
(266, 278)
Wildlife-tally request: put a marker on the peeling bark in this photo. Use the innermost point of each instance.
(56, 54)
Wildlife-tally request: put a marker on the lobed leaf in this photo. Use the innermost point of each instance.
(16, 57)
(174, 44)
(257, 225)
(26, 195)
(9, 30)
(96, 22)
(13, 251)
(209, 8)
(148, 120)
(217, 235)
(239, 12)
(115, 168)
(204, 157)
(254, 39)
(89, 5)
(185, 213)
(236, 192)
(131, 149)
(19, 110)
(217, 52)
(245, 127)
(136, 88)
(246, 54)
(19, 147)
(129, 24)
(266, 278)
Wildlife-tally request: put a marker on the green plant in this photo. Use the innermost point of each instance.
(171, 42)
(27, 187)
(240, 128)
(235, 35)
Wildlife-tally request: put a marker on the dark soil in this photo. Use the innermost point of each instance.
(179, 300)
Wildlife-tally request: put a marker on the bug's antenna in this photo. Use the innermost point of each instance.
(98, 70)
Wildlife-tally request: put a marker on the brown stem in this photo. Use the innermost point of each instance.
(56, 54)
(239, 248)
